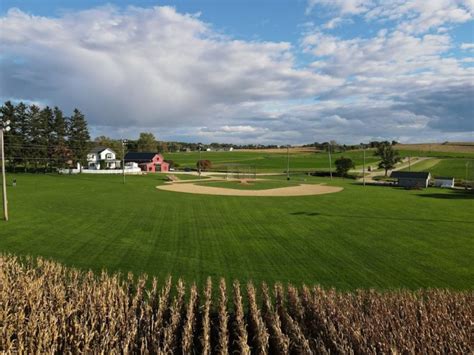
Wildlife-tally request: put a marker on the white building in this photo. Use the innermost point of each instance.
(444, 182)
(102, 158)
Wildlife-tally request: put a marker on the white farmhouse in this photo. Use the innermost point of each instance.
(102, 158)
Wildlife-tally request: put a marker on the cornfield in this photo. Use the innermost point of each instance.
(46, 307)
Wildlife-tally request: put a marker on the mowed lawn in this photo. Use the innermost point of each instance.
(271, 162)
(453, 167)
(380, 237)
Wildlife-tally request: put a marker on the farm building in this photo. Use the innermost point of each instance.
(149, 162)
(411, 179)
(444, 182)
(102, 158)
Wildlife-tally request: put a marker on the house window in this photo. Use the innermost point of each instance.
(108, 156)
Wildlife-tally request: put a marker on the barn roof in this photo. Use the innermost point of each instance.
(139, 156)
(410, 175)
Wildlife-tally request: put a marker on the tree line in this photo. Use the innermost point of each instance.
(42, 139)
(336, 147)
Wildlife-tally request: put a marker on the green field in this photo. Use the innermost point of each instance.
(454, 167)
(434, 154)
(379, 237)
(270, 162)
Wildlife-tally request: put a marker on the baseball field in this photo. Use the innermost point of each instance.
(358, 237)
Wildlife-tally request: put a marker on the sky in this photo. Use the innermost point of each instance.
(247, 71)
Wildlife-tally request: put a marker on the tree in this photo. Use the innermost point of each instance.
(39, 131)
(163, 147)
(204, 165)
(78, 136)
(343, 165)
(61, 152)
(147, 142)
(12, 143)
(114, 144)
(388, 156)
(47, 120)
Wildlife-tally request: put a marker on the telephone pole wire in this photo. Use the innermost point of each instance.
(4, 127)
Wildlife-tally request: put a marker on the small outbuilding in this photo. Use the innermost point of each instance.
(444, 182)
(410, 179)
(147, 161)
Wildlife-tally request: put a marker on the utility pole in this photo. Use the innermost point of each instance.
(409, 163)
(363, 169)
(4, 127)
(288, 162)
(200, 160)
(124, 142)
(330, 165)
(467, 169)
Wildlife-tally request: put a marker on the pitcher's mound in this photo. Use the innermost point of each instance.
(300, 190)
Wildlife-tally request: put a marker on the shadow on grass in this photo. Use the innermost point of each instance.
(453, 195)
(313, 214)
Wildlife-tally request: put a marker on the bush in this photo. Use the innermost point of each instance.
(204, 165)
(343, 165)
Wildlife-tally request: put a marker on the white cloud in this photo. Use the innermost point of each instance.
(413, 16)
(171, 73)
(467, 46)
(145, 67)
(344, 7)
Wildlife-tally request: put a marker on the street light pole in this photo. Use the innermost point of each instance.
(330, 164)
(4, 127)
(124, 142)
(200, 159)
(363, 169)
(287, 162)
(467, 175)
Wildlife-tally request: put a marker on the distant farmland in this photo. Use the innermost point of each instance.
(455, 147)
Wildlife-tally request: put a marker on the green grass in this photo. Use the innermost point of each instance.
(269, 162)
(379, 237)
(434, 154)
(276, 162)
(251, 185)
(455, 167)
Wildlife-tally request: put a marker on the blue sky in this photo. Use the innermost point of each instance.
(247, 71)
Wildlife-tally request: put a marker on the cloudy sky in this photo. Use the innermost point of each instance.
(247, 71)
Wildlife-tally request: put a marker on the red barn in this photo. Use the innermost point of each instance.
(149, 162)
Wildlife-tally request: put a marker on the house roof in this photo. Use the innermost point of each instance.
(98, 150)
(410, 175)
(139, 156)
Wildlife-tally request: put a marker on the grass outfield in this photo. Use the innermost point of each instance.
(299, 161)
(361, 237)
(269, 162)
